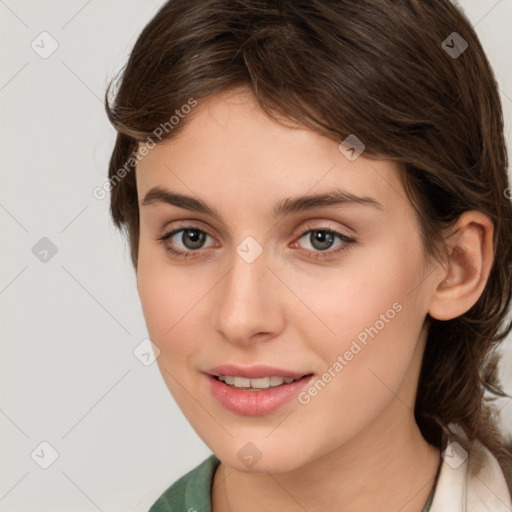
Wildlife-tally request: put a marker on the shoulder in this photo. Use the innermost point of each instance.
(191, 492)
(471, 481)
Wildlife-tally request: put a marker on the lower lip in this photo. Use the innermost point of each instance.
(255, 403)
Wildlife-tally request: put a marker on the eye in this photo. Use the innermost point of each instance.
(190, 237)
(321, 240)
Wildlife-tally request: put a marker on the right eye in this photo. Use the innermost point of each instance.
(191, 239)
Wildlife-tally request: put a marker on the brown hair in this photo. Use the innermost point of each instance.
(385, 71)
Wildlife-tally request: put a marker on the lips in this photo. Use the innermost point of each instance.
(255, 402)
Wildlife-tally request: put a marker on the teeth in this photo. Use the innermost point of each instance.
(261, 383)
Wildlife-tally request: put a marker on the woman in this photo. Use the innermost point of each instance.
(318, 210)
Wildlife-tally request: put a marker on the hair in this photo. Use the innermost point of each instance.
(379, 70)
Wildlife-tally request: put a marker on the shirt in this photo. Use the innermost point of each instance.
(192, 491)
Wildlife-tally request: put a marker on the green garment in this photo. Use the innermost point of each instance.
(191, 493)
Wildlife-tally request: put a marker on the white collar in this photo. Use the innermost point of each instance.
(471, 482)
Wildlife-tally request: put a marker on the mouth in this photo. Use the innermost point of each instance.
(258, 384)
(255, 396)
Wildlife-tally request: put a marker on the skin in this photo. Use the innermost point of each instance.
(355, 446)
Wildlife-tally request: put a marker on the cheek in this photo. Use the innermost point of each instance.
(373, 307)
(175, 301)
(168, 298)
(376, 309)
(156, 297)
(370, 292)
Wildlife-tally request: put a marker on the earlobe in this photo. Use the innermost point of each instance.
(467, 267)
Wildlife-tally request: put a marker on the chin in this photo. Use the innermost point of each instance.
(249, 459)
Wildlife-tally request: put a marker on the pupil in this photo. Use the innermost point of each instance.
(196, 236)
(321, 240)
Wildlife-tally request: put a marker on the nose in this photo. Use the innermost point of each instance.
(249, 305)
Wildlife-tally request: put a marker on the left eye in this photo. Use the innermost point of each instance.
(324, 239)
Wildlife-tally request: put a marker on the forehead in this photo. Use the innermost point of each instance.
(229, 149)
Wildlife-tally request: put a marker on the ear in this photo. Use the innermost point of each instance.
(467, 268)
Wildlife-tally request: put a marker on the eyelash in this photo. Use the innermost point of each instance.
(348, 241)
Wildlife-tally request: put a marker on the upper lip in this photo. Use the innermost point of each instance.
(254, 372)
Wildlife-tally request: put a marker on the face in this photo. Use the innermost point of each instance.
(332, 291)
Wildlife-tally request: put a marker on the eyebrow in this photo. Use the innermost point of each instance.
(287, 206)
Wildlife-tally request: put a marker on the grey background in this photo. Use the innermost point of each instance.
(70, 325)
